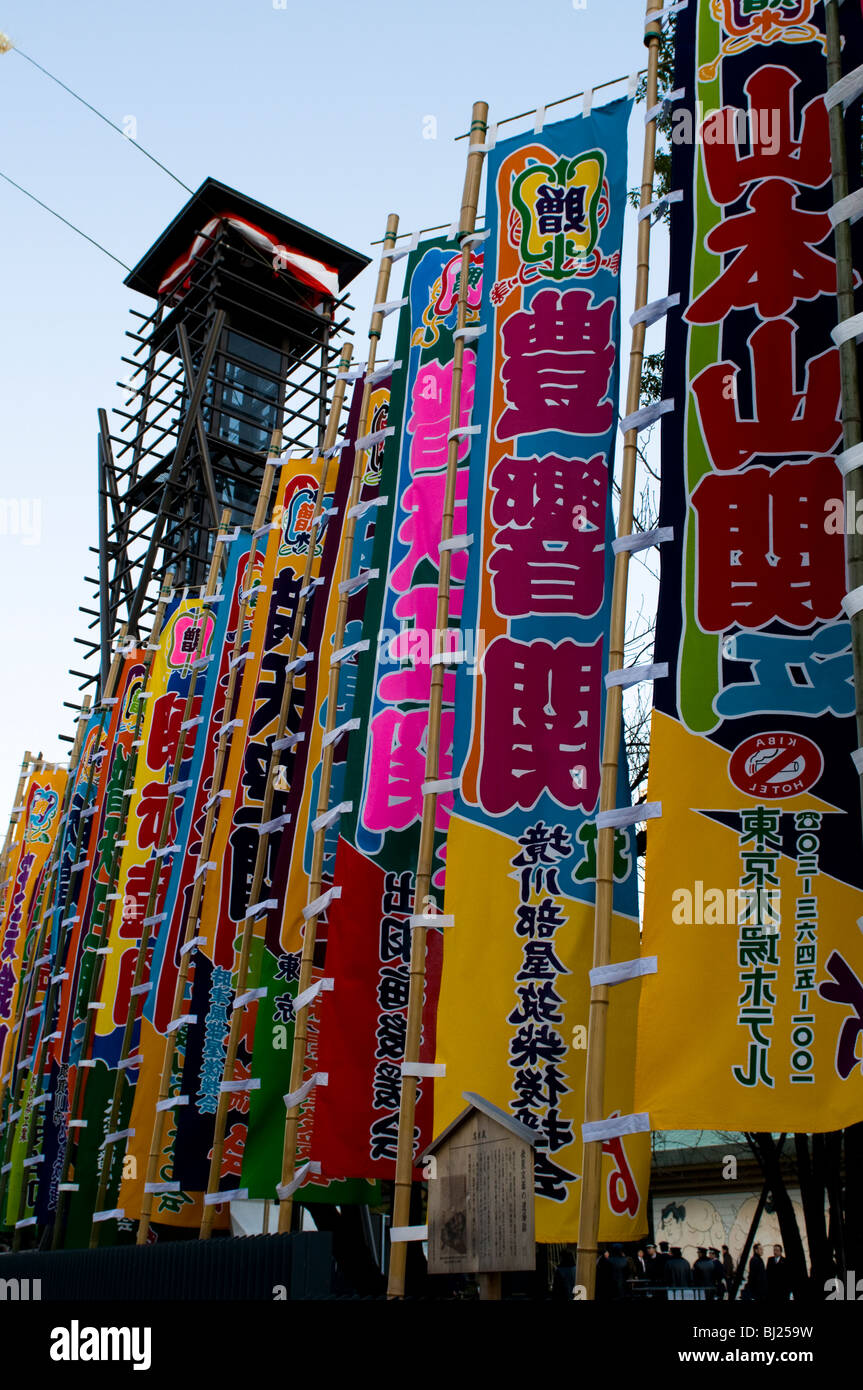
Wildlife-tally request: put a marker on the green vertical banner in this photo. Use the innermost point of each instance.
(362, 1020)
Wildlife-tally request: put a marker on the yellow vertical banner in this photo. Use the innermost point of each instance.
(754, 883)
(38, 829)
(236, 838)
(186, 638)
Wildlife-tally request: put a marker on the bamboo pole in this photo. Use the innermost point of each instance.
(848, 367)
(164, 832)
(70, 1148)
(310, 930)
(594, 1094)
(425, 857)
(210, 824)
(247, 931)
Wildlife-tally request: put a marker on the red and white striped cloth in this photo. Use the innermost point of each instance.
(306, 269)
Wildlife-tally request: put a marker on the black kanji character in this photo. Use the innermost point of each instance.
(538, 1003)
(391, 1032)
(393, 987)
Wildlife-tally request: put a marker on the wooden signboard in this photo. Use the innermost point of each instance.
(480, 1195)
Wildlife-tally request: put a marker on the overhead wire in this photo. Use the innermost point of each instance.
(7, 46)
(60, 218)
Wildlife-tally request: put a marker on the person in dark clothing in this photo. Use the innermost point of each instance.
(756, 1280)
(640, 1265)
(727, 1265)
(650, 1263)
(678, 1272)
(703, 1273)
(778, 1287)
(718, 1272)
(604, 1282)
(620, 1272)
(660, 1263)
(563, 1282)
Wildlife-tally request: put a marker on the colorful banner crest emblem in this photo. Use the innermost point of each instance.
(749, 23)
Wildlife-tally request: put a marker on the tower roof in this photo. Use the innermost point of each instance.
(214, 198)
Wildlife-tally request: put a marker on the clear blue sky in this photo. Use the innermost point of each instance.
(318, 109)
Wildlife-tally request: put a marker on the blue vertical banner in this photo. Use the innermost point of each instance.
(520, 861)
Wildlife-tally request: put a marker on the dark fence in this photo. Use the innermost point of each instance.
(295, 1266)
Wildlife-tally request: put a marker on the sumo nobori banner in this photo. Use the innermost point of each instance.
(186, 639)
(363, 1020)
(237, 836)
(278, 966)
(165, 935)
(30, 864)
(89, 904)
(520, 864)
(38, 828)
(117, 917)
(754, 871)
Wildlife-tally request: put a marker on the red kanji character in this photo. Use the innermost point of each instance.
(558, 364)
(778, 425)
(763, 551)
(247, 1032)
(775, 265)
(240, 1099)
(774, 151)
(123, 1003)
(545, 558)
(541, 719)
(232, 1154)
(151, 812)
(164, 734)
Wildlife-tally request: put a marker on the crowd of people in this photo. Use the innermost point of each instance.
(654, 1270)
